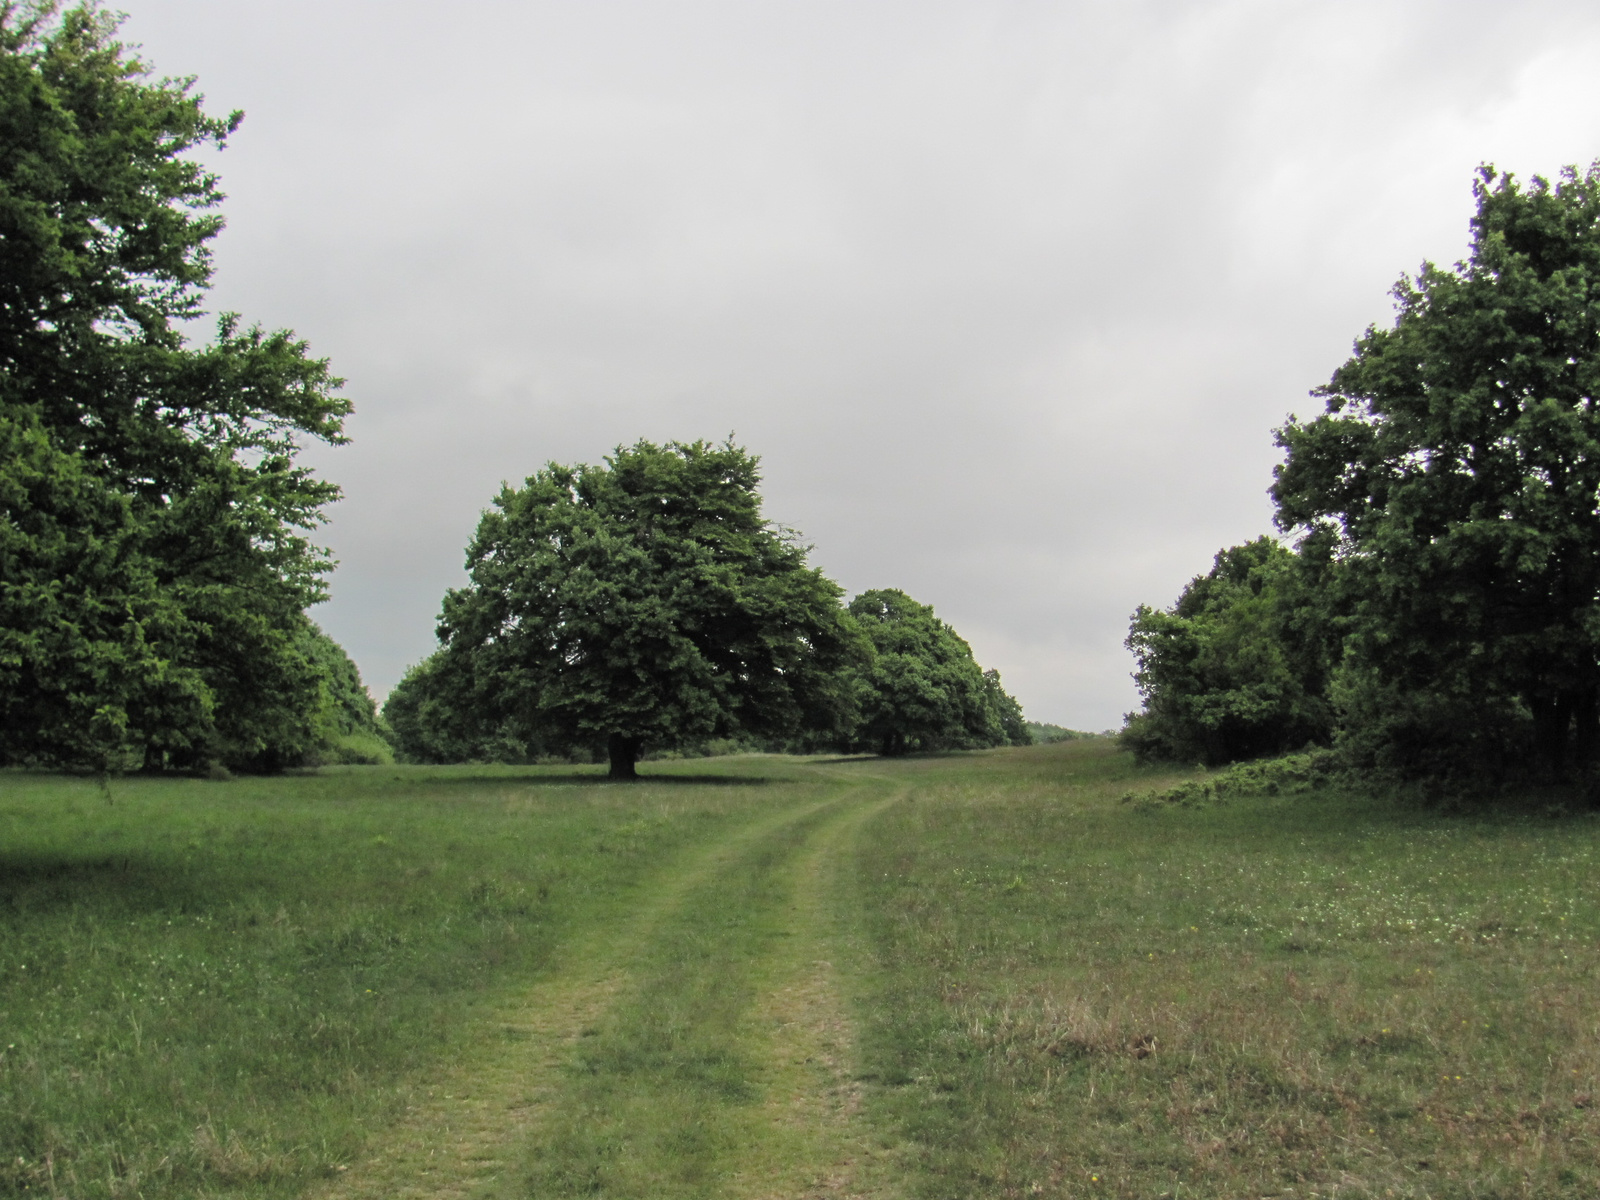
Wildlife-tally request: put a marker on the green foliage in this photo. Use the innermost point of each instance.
(1007, 711)
(1441, 614)
(922, 689)
(1290, 775)
(645, 602)
(1457, 467)
(1238, 667)
(1044, 734)
(347, 707)
(432, 719)
(348, 730)
(154, 553)
(354, 750)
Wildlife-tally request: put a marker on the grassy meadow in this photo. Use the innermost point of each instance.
(965, 975)
(1316, 995)
(222, 987)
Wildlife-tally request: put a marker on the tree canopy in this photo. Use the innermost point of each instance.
(642, 602)
(155, 557)
(1458, 465)
(1239, 666)
(1441, 612)
(922, 689)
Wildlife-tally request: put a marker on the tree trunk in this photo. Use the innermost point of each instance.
(624, 752)
(1552, 723)
(1586, 728)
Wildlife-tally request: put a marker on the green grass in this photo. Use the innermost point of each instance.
(233, 988)
(655, 1093)
(683, 1090)
(219, 985)
(1080, 997)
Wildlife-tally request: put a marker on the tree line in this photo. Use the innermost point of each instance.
(155, 554)
(1431, 608)
(647, 602)
(1435, 613)
(156, 528)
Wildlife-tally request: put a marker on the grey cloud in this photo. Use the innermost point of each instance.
(1007, 296)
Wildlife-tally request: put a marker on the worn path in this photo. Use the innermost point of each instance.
(700, 1046)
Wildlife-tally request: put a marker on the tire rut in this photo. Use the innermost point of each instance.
(813, 1097)
(462, 1131)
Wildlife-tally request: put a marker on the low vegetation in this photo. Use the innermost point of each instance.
(1043, 733)
(234, 988)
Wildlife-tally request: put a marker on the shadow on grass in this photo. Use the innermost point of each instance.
(532, 775)
(908, 756)
(431, 775)
(127, 883)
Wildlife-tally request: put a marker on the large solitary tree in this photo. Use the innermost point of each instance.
(155, 561)
(642, 602)
(1457, 467)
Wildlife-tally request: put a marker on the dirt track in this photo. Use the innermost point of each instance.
(503, 1120)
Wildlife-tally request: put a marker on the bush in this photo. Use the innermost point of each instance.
(1290, 775)
(355, 750)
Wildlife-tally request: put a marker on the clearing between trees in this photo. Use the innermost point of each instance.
(963, 975)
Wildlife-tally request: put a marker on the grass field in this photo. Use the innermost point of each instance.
(973, 975)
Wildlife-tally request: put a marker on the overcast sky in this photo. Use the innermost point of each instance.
(1007, 296)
